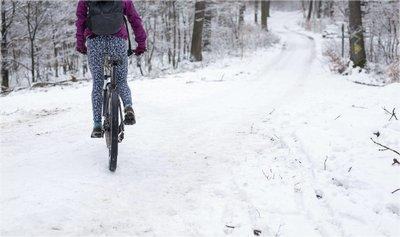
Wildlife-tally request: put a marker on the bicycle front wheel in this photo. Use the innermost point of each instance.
(114, 131)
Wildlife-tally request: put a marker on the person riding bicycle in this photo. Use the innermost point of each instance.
(101, 24)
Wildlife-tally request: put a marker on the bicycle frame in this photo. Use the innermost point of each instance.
(110, 88)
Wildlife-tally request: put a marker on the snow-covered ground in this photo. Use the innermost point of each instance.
(272, 142)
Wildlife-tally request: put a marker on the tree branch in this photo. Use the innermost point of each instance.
(19, 63)
(386, 147)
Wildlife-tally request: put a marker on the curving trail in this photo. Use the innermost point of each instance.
(208, 157)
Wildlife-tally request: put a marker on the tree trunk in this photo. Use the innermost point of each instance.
(357, 49)
(328, 9)
(167, 19)
(207, 26)
(5, 80)
(179, 36)
(318, 10)
(310, 8)
(264, 15)
(174, 60)
(268, 8)
(32, 55)
(256, 7)
(303, 8)
(197, 36)
(4, 71)
(242, 9)
(331, 11)
(55, 51)
(185, 37)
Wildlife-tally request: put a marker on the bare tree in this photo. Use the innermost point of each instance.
(34, 13)
(357, 49)
(318, 6)
(197, 36)
(242, 9)
(7, 16)
(310, 9)
(264, 14)
(328, 10)
(256, 7)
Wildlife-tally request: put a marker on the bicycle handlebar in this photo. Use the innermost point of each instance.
(138, 60)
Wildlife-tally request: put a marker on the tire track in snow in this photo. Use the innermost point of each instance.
(308, 170)
(311, 203)
(286, 61)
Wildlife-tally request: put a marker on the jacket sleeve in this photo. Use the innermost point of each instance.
(81, 14)
(136, 23)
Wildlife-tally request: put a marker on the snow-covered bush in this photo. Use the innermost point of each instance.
(332, 51)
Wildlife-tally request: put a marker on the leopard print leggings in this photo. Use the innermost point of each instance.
(116, 48)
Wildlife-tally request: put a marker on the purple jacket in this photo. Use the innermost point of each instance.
(82, 32)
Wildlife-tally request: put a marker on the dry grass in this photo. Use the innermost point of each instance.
(336, 63)
(393, 71)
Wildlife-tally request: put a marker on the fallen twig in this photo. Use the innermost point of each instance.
(44, 84)
(386, 147)
(256, 232)
(278, 231)
(338, 117)
(325, 163)
(367, 84)
(266, 176)
(47, 84)
(396, 190)
(270, 113)
(392, 114)
(359, 107)
(396, 162)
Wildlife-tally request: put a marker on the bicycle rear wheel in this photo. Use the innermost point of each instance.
(114, 131)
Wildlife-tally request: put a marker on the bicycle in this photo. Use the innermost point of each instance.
(113, 125)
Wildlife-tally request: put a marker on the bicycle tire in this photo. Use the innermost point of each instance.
(114, 131)
(106, 114)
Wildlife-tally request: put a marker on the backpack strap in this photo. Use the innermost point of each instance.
(130, 51)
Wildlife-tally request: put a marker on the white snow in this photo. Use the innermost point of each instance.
(234, 147)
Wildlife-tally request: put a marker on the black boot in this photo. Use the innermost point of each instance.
(97, 132)
(129, 116)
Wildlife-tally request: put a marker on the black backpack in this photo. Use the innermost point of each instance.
(105, 17)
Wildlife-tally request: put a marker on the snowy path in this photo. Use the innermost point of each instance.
(225, 150)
